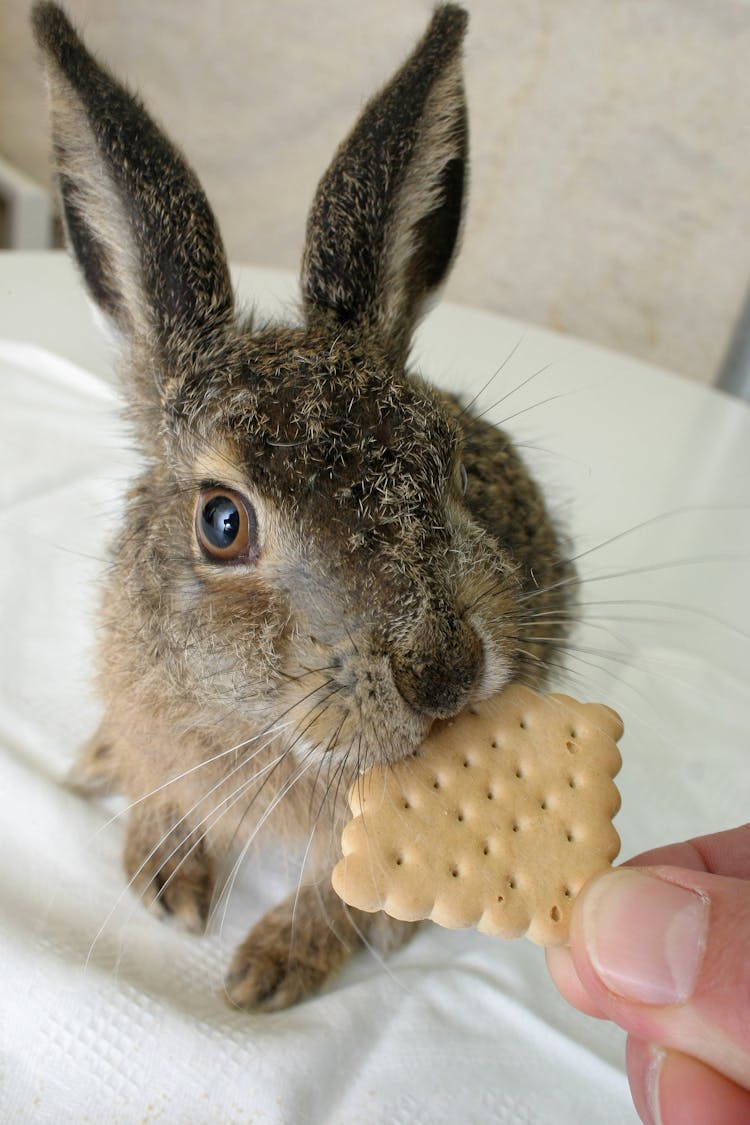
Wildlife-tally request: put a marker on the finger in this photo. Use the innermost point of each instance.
(663, 952)
(670, 1088)
(566, 979)
(559, 958)
(723, 853)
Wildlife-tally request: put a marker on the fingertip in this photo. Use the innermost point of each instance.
(644, 1061)
(589, 981)
(568, 983)
(643, 936)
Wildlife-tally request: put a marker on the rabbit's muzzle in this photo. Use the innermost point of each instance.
(436, 669)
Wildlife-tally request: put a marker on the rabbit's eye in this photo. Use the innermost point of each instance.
(463, 478)
(225, 524)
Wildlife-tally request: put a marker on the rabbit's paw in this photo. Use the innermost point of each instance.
(300, 944)
(290, 953)
(170, 868)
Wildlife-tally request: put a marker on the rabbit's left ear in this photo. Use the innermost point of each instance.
(136, 217)
(384, 224)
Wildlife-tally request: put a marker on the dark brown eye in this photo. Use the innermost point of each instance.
(225, 524)
(463, 478)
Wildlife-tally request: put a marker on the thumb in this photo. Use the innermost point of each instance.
(663, 951)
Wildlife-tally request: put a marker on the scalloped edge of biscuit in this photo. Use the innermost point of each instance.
(494, 823)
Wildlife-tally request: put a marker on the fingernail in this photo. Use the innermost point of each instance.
(645, 1061)
(645, 937)
(652, 1078)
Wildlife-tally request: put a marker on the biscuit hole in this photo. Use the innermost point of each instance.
(512, 883)
(516, 826)
(570, 747)
(399, 860)
(572, 783)
(519, 772)
(543, 805)
(486, 849)
(494, 744)
(569, 836)
(460, 816)
(522, 724)
(406, 805)
(574, 733)
(490, 795)
(467, 763)
(436, 783)
(555, 914)
(454, 872)
(501, 898)
(567, 892)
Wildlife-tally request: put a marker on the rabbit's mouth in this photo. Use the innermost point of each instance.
(366, 705)
(350, 709)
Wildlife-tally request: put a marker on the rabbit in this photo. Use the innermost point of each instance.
(323, 555)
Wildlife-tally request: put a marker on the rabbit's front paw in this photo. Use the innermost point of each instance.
(170, 868)
(290, 953)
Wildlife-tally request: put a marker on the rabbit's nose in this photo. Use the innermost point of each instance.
(436, 670)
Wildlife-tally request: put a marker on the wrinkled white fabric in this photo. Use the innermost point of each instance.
(108, 1015)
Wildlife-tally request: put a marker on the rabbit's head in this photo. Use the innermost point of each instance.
(320, 543)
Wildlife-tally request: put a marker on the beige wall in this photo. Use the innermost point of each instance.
(611, 142)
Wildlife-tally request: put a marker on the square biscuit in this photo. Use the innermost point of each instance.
(495, 822)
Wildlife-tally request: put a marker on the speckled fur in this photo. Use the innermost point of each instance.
(381, 596)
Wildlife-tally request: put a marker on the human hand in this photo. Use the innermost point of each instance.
(661, 946)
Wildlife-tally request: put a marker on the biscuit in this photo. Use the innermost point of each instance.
(496, 821)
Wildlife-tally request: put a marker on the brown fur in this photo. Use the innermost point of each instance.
(380, 597)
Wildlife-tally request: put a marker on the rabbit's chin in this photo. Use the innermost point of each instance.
(372, 724)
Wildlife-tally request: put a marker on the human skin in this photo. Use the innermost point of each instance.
(661, 946)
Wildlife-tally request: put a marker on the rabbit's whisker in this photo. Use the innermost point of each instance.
(272, 728)
(659, 518)
(514, 390)
(193, 828)
(314, 714)
(272, 731)
(466, 409)
(581, 616)
(338, 768)
(524, 409)
(229, 802)
(228, 887)
(545, 664)
(128, 886)
(679, 607)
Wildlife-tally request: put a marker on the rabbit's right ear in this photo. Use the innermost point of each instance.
(135, 215)
(385, 221)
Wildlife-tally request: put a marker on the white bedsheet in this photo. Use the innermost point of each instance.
(107, 1015)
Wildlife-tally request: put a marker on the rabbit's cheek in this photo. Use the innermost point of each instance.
(241, 625)
(499, 660)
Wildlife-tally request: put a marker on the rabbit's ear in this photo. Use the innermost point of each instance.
(135, 214)
(385, 221)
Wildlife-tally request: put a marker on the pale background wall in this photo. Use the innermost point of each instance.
(611, 142)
